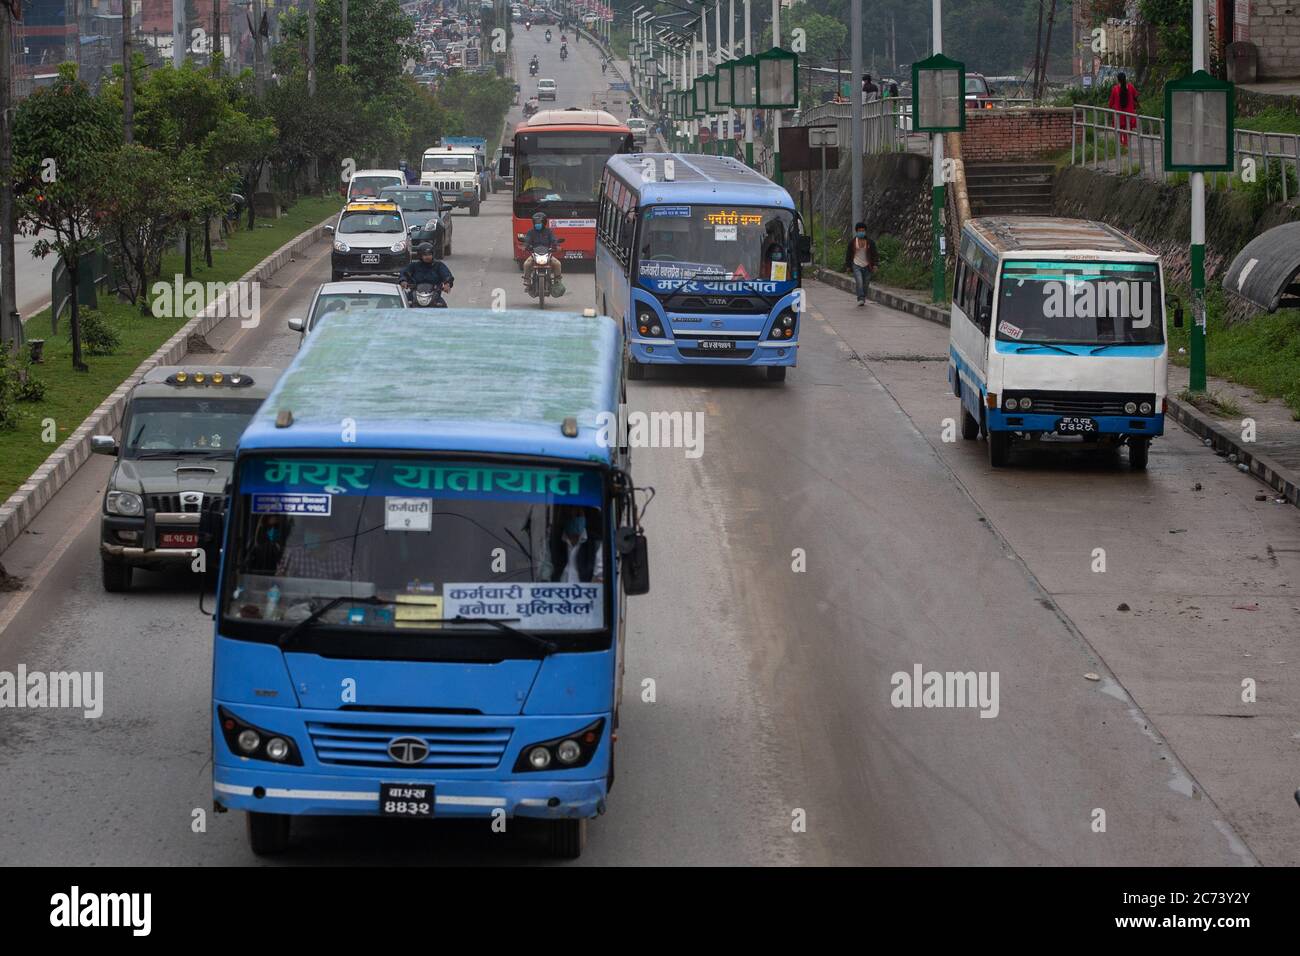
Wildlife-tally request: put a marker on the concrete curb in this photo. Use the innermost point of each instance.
(57, 470)
(1285, 481)
(885, 296)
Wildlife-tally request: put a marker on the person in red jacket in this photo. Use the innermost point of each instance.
(1124, 99)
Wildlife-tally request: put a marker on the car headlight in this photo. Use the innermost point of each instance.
(1130, 408)
(398, 246)
(124, 503)
(1145, 408)
(340, 246)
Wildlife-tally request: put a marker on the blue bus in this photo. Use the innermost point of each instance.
(421, 597)
(699, 258)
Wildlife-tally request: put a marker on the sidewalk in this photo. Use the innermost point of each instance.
(1273, 456)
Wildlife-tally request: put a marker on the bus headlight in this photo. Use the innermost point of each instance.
(277, 748)
(1012, 404)
(125, 503)
(647, 323)
(1145, 408)
(254, 743)
(783, 327)
(570, 750)
(1130, 408)
(1025, 404)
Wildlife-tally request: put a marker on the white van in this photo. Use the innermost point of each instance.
(1058, 333)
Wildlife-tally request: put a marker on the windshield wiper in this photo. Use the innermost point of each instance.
(1044, 345)
(503, 625)
(314, 616)
(1111, 345)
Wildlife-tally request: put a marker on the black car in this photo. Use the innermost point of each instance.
(422, 206)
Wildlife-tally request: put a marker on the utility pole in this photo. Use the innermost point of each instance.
(857, 96)
(257, 47)
(343, 32)
(936, 205)
(178, 33)
(777, 177)
(1196, 370)
(731, 55)
(11, 326)
(1047, 52)
(128, 80)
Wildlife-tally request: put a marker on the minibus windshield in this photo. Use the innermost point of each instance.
(417, 544)
(1080, 303)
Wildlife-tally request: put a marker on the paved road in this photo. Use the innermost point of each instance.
(825, 540)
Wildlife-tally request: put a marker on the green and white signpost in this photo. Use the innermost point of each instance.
(1199, 115)
(938, 107)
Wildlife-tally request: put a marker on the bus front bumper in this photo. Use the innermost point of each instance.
(299, 794)
(687, 352)
(1135, 425)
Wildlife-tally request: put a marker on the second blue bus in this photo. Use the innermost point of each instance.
(699, 258)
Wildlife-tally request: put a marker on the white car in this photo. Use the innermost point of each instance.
(369, 183)
(354, 296)
(546, 89)
(640, 131)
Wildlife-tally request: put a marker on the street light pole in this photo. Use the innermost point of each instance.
(856, 97)
(1196, 371)
(10, 321)
(343, 33)
(749, 110)
(777, 177)
(936, 204)
(731, 50)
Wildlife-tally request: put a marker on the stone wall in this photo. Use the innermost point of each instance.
(895, 198)
(1275, 30)
(1160, 215)
(1015, 135)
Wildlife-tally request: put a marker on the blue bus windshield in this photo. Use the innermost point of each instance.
(679, 244)
(433, 539)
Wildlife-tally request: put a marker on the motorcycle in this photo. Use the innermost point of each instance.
(529, 109)
(426, 295)
(532, 68)
(541, 285)
(528, 25)
(564, 53)
(548, 36)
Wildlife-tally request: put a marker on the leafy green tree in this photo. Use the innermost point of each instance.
(380, 41)
(64, 140)
(826, 36)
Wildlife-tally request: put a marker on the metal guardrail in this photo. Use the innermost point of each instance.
(886, 123)
(1096, 140)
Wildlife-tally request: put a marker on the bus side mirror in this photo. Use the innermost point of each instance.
(805, 248)
(1178, 316)
(503, 167)
(635, 566)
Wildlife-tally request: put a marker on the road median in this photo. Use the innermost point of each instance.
(22, 507)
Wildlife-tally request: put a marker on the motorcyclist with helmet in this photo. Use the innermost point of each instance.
(427, 269)
(541, 235)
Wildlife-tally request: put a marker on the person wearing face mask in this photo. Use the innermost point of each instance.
(860, 259)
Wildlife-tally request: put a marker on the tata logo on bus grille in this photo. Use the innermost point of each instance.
(408, 750)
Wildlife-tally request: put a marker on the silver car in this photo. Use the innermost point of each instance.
(348, 296)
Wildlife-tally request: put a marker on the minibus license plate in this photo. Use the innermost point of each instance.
(369, 259)
(717, 345)
(405, 800)
(1076, 426)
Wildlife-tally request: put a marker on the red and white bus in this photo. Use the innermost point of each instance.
(559, 159)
